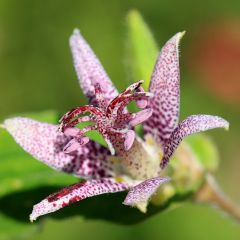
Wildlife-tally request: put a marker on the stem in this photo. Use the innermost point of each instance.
(210, 193)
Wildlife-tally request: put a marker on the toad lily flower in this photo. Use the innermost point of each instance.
(132, 164)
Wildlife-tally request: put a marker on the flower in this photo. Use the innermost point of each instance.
(132, 164)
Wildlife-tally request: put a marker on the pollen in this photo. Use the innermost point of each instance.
(114, 160)
(149, 139)
(119, 179)
(160, 155)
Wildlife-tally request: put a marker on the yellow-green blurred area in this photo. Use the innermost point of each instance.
(36, 73)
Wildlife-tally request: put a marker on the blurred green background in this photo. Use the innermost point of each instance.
(36, 73)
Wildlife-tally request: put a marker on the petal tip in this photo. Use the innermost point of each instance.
(139, 195)
(76, 31)
(129, 139)
(75, 35)
(223, 123)
(11, 124)
(179, 37)
(227, 125)
(110, 146)
(127, 202)
(32, 218)
(181, 34)
(142, 206)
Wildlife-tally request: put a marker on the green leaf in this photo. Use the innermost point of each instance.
(20, 172)
(13, 229)
(141, 48)
(196, 156)
(205, 151)
(111, 208)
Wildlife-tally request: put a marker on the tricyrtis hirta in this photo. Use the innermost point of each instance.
(130, 163)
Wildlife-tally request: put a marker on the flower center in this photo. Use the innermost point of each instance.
(112, 120)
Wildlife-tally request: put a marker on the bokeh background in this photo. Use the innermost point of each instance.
(36, 73)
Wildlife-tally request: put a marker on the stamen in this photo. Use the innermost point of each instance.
(69, 116)
(133, 87)
(129, 139)
(110, 146)
(77, 121)
(75, 143)
(142, 103)
(136, 97)
(141, 117)
(112, 121)
(72, 132)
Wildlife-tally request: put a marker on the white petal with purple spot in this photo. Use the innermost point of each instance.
(165, 83)
(192, 124)
(45, 143)
(89, 69)
(76, 193)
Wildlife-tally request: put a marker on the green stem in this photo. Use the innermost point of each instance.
(210, 193)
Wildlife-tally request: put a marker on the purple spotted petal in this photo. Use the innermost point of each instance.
(46, 144)
(141, 193)
(76, 193)
(164, 85)
(89, 69)
(192, 124)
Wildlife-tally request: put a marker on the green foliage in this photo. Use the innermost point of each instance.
(13, 176)
(195, 157)
(141, 47)
(19, 172)
(205, 150)
(25, 181)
